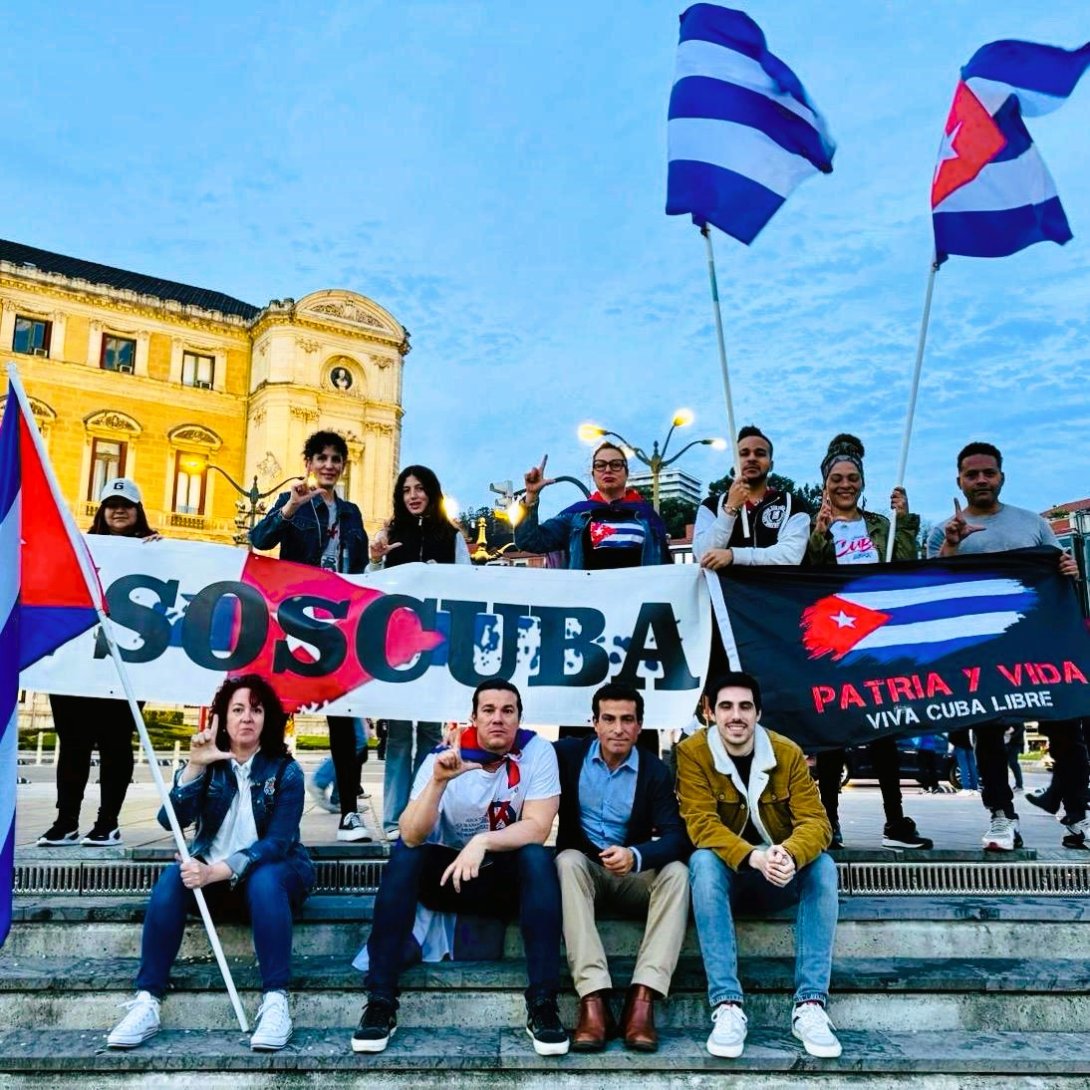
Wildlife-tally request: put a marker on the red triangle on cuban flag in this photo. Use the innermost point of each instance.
(599, 531)
(972, 140)
(833, 626)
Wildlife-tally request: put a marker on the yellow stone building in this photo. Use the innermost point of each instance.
(177, 386)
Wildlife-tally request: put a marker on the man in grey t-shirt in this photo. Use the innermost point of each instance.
(988, 526)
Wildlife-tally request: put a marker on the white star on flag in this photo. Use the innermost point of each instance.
(843, 620)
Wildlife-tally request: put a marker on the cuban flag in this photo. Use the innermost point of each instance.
(885, 618)
(992, 194)
(49, 593)
(742, 131)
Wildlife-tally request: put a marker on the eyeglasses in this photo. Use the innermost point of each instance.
(614, 465)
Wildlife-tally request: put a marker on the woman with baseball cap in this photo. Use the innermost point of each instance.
(82, 722)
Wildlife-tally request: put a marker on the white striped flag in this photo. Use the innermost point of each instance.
(49, 593)
(742, 131)
(992, 194)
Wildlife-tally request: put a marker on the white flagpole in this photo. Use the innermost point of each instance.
(732, 431)
(91, 577)
(902, 464)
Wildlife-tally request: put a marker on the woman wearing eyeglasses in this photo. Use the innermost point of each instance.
(614, 528)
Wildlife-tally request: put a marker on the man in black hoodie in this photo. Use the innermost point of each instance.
(614, 799)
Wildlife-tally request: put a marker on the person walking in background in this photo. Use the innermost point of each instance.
(1014, 738)
(845, 533)
(420, 532)
(82, 722)
(313, 525)
(962, 742)
(322, 785)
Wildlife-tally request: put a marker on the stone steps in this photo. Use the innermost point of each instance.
(890, 994)
(920, 927)
(434, 1059)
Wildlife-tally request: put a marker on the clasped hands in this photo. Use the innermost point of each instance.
(774, 863)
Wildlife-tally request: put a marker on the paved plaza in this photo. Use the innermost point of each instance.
(954, 821)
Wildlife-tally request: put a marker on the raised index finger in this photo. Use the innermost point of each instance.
(957, 508)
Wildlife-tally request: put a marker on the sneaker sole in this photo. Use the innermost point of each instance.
(822, 1052)
(726, 1052)
(132, 1042)
(995, 846)
(43, 843)
(372, 1046)
(87, 842)
(549, 1048)
(352, 836)
(889, 842)
(269, 1046)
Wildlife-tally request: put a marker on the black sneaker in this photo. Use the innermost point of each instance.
(545, 1028)
(59, 836)
(102, 837)
(902, 834)
(378, 1023)
(1044, 799)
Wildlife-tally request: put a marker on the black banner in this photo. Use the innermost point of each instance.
(848, 654)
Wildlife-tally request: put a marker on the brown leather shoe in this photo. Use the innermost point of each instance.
(596, 1024)
(638, 1019)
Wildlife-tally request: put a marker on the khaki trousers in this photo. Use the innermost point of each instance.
(662, 895)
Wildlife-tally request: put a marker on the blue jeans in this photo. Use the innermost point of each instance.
(520, 883)
(401, 766)
(717, 889)
(268, 895)
(967, 768)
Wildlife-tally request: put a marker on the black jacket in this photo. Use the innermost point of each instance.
(654, 809)
(303, 538)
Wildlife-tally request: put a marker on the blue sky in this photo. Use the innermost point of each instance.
(494, 174)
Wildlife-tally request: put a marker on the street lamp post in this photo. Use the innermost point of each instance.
(250, 506)
(656, 461)
(1080, 534)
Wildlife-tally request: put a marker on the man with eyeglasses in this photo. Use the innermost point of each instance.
(614, 528)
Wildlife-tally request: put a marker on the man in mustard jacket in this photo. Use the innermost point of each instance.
(755, 817)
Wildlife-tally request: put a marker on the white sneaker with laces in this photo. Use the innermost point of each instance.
(352, 829)
(728, 1037)
(274, 1027)
(1002, 834)
(811, 1025)
(138, 1025)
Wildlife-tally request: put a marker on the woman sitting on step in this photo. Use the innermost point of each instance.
(245, 794)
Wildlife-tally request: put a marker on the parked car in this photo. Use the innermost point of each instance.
(857, 764)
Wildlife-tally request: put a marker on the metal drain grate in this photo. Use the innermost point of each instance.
(362, 876)
(964, 879)
(47, 877)
(120, 878)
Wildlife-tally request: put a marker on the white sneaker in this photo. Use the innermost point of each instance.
(728, 1038)
(811, 1025)
(273, 1029)
(393, 834)
(352, 829)
(138, 1025)
(321, 796)
(1002, 834)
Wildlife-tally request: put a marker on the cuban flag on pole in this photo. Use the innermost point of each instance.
(742, 133)
(49, 593)
(992, 194)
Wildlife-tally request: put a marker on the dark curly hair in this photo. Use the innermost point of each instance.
(262, 695)
(843, 448)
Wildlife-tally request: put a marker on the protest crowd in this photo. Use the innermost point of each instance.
(492, 820)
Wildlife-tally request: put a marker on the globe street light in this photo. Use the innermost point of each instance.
(656, 461)
(249, 507)
(508, 504)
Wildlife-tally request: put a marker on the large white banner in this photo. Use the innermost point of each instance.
(410, 643)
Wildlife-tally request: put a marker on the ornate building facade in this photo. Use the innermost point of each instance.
(180, 387)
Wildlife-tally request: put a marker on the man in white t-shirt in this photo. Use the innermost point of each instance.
(472, 840)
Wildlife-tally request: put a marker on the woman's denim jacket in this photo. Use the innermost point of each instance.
(278, 807)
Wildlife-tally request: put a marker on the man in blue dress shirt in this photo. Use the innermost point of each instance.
(621, 840)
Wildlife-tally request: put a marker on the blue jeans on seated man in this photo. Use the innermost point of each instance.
(520, 883)
(402, 766)
(717, 890)
(268, 896)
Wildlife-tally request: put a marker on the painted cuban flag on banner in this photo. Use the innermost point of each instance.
(992, 194)
(742, 131)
